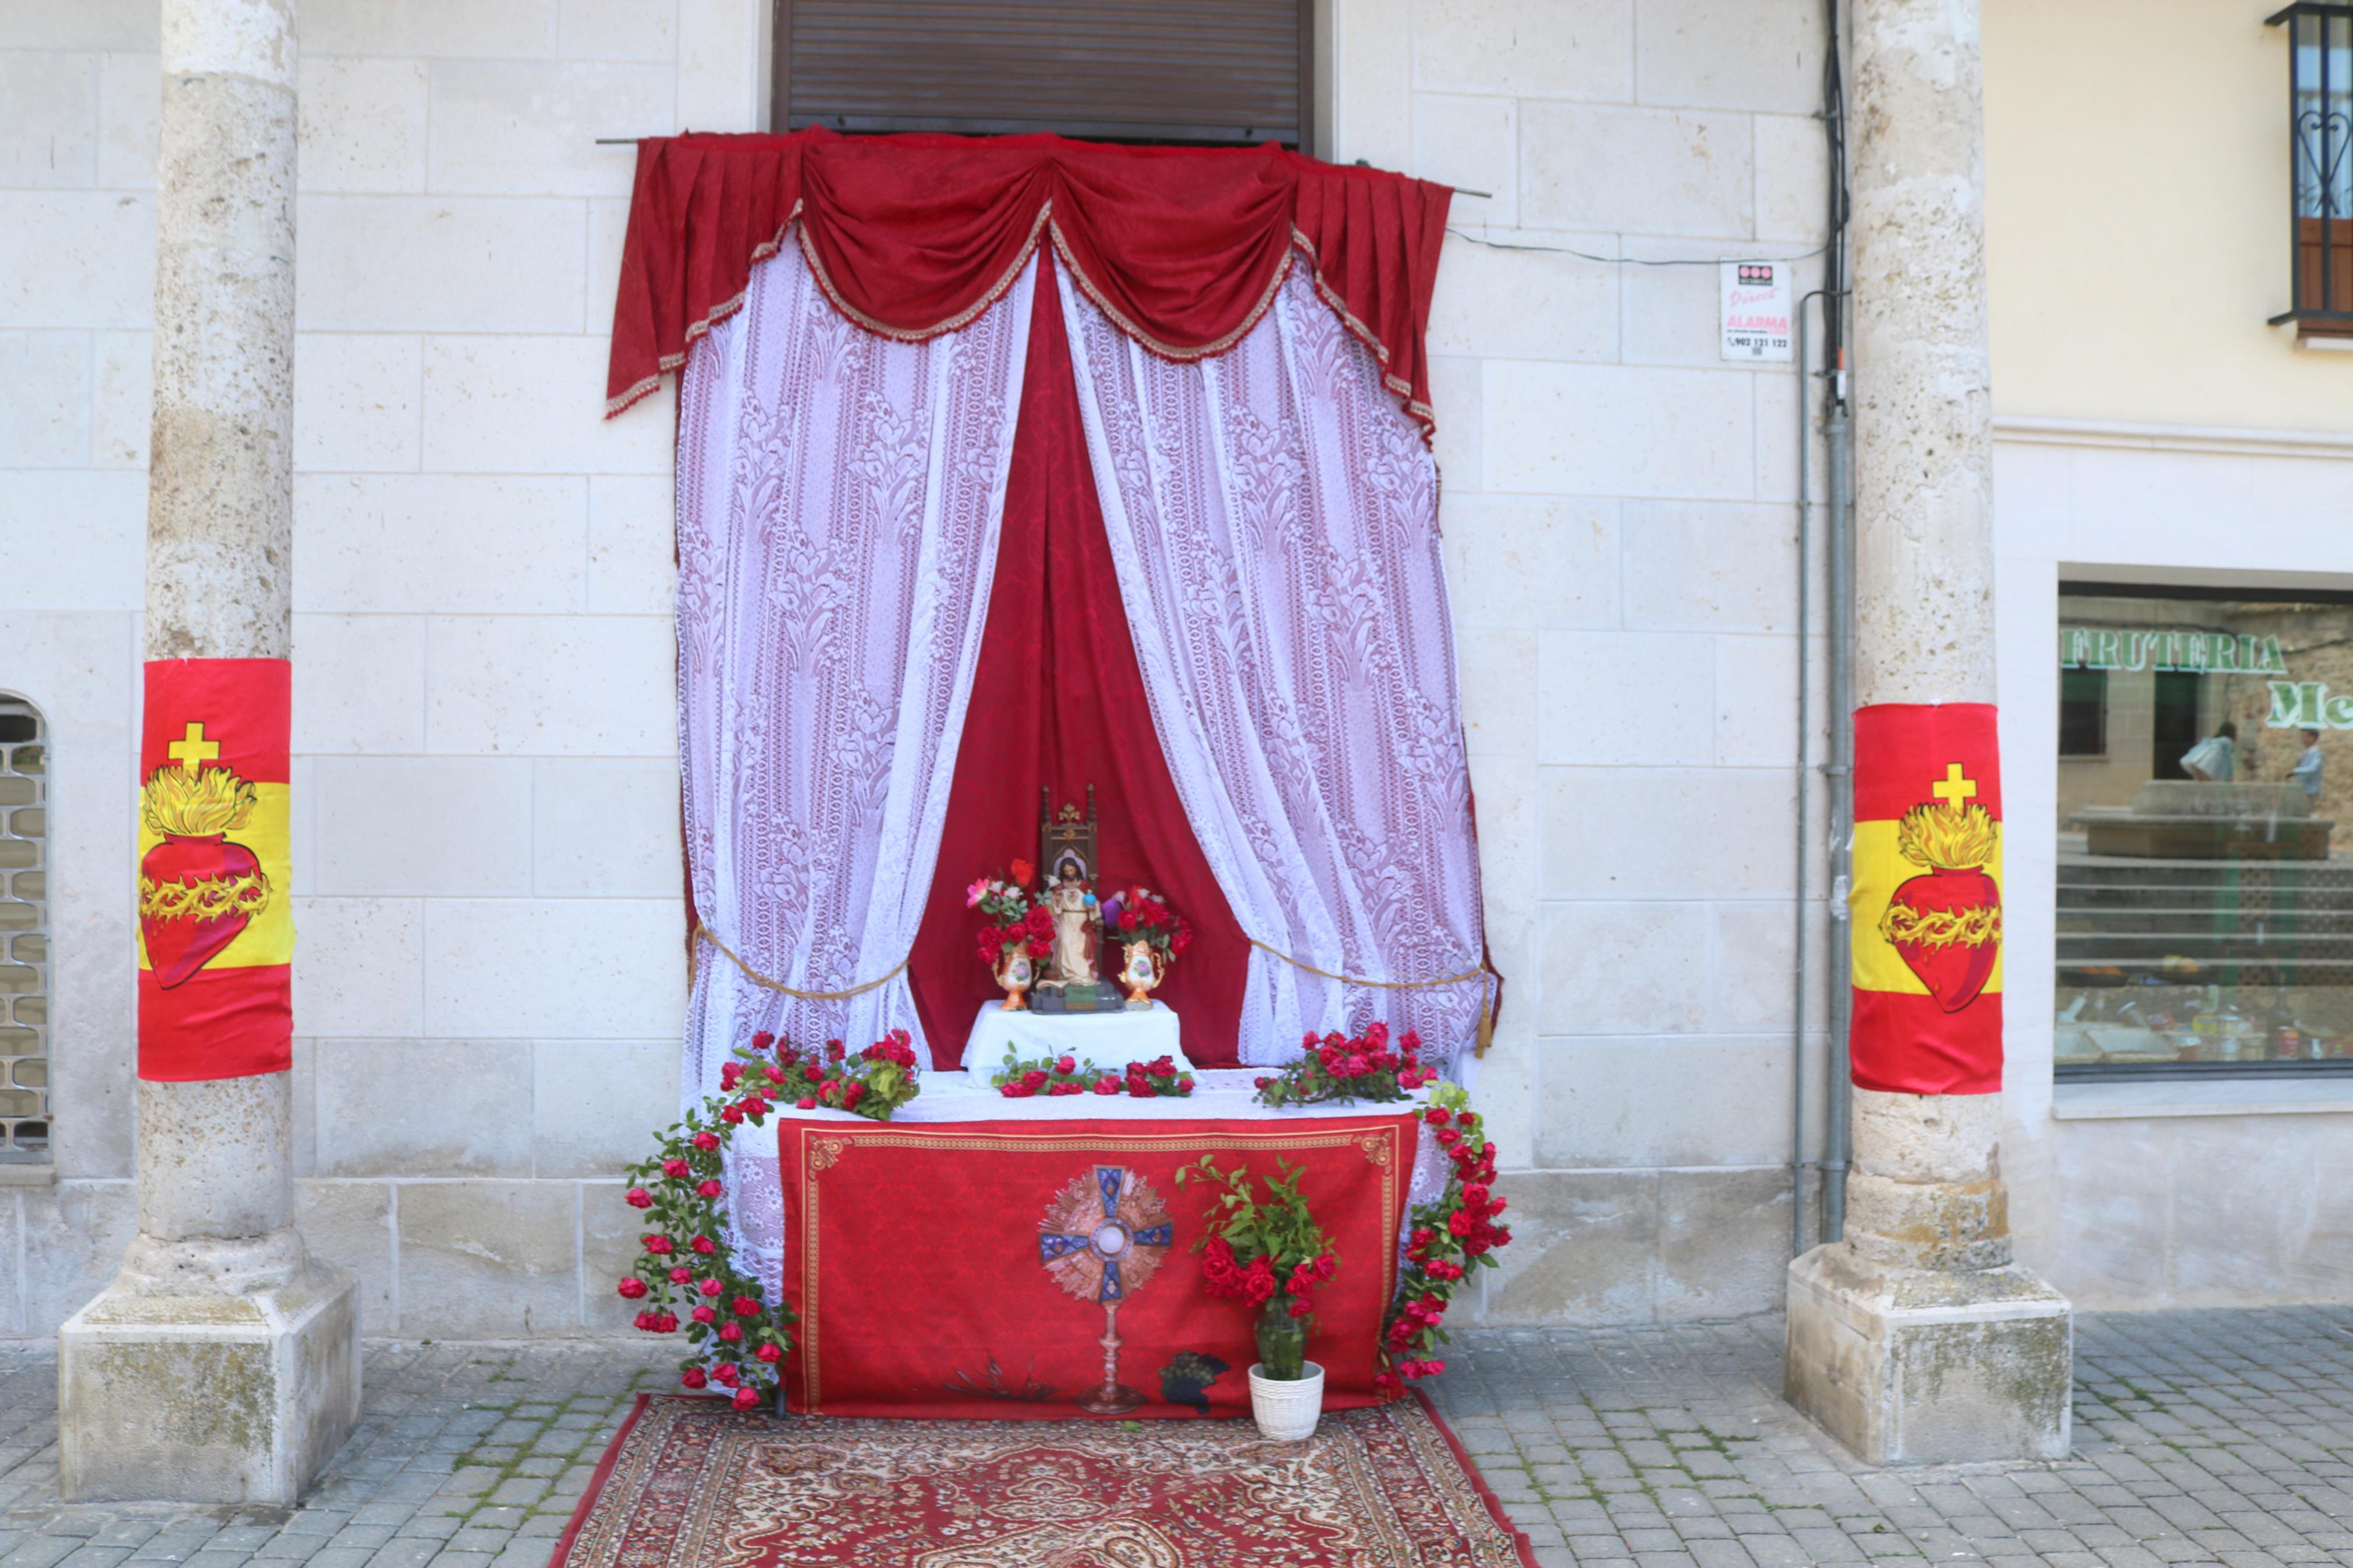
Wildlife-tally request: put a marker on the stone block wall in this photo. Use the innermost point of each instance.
(1620, 510)
(490, 971)
(489, 981)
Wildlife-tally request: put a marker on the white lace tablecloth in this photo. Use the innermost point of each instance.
(949, 1096)
(1109, 1040)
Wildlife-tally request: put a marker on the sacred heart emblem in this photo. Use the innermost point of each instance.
(198, 889)
(1946, 924)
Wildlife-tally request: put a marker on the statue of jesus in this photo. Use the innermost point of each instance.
(1074, 908)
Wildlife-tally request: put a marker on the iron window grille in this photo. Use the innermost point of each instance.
(24, 934)
(2320, 199)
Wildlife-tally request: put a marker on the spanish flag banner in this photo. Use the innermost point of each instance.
(1927, 900)
(215, 936)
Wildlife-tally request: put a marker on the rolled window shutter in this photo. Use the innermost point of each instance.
(1143, 70)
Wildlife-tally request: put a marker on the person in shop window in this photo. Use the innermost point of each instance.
(2306, 771)
(2211, 760)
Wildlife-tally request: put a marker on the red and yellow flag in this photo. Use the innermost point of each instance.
(1927, 900)
(215, 934)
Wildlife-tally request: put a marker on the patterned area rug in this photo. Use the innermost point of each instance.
(687, 1483)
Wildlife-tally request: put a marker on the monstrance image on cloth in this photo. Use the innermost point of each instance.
(1103, 1236)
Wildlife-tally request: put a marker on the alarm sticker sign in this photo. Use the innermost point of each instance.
(1756, 310)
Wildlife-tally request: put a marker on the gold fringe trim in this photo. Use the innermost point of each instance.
(1932, 929)
(213, 899)
(756, 978)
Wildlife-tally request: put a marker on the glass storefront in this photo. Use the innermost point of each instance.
(2205, 905)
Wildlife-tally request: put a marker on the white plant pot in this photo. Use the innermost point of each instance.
(1286, 1409)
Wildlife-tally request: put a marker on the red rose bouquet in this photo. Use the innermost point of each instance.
(1139, 914)
(875, 1083)
(1451, 1238)
(1018, 1079)
(1334, 1068)
(1266, 1252)
(1016, 919)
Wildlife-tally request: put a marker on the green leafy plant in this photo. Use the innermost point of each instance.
(1268, 1252)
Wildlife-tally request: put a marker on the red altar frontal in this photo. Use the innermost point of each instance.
(983, 1270)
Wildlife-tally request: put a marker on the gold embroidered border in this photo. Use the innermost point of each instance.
(821, 1150)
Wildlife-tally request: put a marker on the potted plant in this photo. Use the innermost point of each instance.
(1269, 1252)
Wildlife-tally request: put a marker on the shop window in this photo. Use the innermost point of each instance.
(24, 933)
(2205, 874)
(2320, 154)
(1233, 72)
(2083, 712)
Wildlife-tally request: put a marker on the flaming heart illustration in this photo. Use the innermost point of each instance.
(196, 889)
(1946, 924)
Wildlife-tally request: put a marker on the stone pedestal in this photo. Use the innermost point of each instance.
(207, 1397)
(1922, 1366)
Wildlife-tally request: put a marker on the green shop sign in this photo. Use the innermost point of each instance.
(2206, 653)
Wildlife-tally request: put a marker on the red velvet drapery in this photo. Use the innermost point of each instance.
(910, 235)
(1058, 702)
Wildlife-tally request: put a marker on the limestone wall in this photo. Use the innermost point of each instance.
(489, 981)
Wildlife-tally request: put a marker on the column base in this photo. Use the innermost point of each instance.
(1909, 1367)
(207, 1397)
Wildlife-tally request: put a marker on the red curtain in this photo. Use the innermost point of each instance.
(1058, 702)
(910, 235)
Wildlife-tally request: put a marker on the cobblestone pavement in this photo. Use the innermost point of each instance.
(2201, 1437)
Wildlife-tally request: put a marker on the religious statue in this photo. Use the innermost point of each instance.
(1072, 905)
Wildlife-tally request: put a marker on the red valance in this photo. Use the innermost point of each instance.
(913, 236)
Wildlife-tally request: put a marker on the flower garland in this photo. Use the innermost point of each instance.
(1336, 1067)
(737, 1340)
(1139, 914)
(1067, 1075)
(1451, 1238)
(1020, 921)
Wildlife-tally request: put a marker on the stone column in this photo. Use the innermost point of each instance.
(221, 1364)
(1918, 1339)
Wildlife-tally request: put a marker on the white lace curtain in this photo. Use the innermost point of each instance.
(840, 496)
(1273, 517)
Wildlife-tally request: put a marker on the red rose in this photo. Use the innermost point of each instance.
(705, 1246)
(706, 1141)
(731, 1332)
(852, 1095)
(681, 1275)
(806, 1104)
(746, 1307)
(725, 1373)
(746, 1399)
(763, 1041)
(732, 1115)
(710, 1287)
(1066, 1065)
(676, 1168)
(709, 1189)
(633, 1288)
(770, 1354)
(693, 1377)
(1033, 1078)
(1301, 1308)
(704, 1315)
(639, 1198)
(756, 1108)
(834, 1051)
(729, 1073)
(658, 1245)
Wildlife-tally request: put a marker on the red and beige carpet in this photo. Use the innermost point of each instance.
(687, 1483)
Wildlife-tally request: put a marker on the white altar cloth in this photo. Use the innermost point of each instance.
(1109, 1040)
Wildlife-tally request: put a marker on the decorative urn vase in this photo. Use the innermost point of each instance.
(1143, 969)
(1016, 974)
(1286, 1389)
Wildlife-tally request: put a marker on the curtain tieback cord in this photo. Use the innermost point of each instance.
(758, 978)
(1486, 991)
